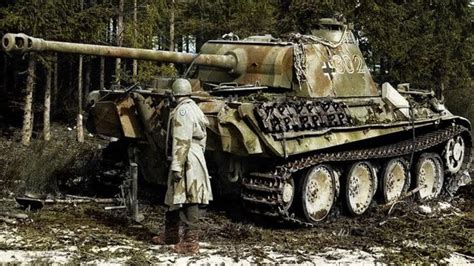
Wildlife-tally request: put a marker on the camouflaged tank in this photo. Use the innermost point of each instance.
(297, 125)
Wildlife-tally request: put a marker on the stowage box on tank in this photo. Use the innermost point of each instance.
(295, 124)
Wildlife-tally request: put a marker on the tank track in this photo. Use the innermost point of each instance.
(262, 193)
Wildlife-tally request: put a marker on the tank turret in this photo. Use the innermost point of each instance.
(328, 63)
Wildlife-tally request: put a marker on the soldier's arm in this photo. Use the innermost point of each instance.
(182, 129)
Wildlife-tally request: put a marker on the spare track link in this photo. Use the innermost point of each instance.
(297, 115)
(262, 193)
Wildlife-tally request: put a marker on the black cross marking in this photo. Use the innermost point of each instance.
(328, 70)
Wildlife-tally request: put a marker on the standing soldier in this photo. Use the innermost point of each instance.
(188, 180)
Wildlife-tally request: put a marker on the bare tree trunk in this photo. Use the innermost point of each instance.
(102, 73)
(135, 62)
(27, 129)
(47, 105)
(55, 82)
(172, 26)
(79, 128)
(119, 40)
(187, 43)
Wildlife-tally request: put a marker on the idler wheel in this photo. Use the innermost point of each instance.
(318, 189)
(395, 179)
(454, 154)
(361, 184)
(429, 176)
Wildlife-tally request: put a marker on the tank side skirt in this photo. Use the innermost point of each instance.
(272, 203)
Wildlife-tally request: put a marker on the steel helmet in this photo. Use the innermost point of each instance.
(181, 87)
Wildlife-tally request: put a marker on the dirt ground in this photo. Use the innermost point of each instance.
(73, 232)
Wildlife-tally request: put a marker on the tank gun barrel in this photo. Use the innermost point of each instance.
(23, 43)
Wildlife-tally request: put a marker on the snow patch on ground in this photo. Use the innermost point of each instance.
(112, 249)
(209, 255)
(425, 209)
(9, 237)
(34, 257)
(444, 206)
(458, 259)
(331, 256)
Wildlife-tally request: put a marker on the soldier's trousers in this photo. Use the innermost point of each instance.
(188, 215)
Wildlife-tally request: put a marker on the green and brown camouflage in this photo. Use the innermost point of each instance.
(267, 100)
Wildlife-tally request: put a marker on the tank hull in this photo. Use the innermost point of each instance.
(238, 130)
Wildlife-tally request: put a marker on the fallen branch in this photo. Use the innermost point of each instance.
(21, 216)
(68, 201)
(463, 255)
(411, 193)
(7, 200)
(8, 220)
(114, 207)
(39, 203)
(391, 204)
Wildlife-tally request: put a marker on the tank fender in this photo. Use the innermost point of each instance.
(464, 122)
(275, 147)
(128, 119)
(144, 110)
(231, 123)
(113, 117)
(103, 119)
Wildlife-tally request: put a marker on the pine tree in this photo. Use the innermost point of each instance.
(211, 19)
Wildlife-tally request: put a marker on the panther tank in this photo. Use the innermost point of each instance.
(297, 124)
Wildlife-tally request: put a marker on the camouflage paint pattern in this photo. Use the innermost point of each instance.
(188, 131)
(264, 63)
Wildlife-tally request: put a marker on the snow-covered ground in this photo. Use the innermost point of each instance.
(156, 254)
(209, 255)
(65, 235)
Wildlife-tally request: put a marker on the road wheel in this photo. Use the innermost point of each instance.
(454, 154)
(318, 189)
(429, 176)
(361, 184)
(395, 179)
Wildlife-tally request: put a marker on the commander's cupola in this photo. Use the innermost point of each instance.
(329, 29)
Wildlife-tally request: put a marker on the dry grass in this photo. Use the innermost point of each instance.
(38, 167)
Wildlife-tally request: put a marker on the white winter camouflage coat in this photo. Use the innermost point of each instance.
(188, 129)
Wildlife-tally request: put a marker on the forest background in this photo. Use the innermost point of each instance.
(425, 43)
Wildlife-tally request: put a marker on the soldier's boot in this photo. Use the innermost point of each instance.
(189, 245)
(171, 234)
(189, 216)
